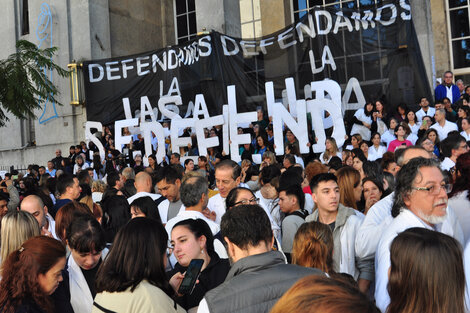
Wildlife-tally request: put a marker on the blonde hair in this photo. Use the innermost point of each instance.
(327, 154)
(17, 227)
(313, 246)
(348, 179)
(98, 186)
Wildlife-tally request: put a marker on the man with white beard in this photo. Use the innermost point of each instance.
(420, 201)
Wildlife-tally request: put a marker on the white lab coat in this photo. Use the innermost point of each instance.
(405, 220)
(80, 295)
(379, 217)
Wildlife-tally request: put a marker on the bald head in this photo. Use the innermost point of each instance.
(34, 205)
(143, 182)
(402, 156)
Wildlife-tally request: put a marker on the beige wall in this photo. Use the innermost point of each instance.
(440, 37)
(140, 26)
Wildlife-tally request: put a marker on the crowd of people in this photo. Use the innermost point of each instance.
(380, 224)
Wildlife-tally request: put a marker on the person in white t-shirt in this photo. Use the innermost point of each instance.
(425, 110)
(376, 150)
(443, 126)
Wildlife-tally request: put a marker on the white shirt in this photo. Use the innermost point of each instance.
(203, 307)
(375, 222)
(444, 130)
(265, 204)
(405, 220)
(217, 204)
(460, 204)
(447, 164)
(414, 128)
(449, 93)
(388, 137)
(51, 227)
(189, 214)
(466, 257)
(420, 114)
(76, 168)
(162, 207)
(379, 217)
(309, 204)
(465, 135)
(376, 153)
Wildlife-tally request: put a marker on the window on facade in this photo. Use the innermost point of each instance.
(374, 80)
(250, 21)
(459, 33)
(185, 20)
(24, 18)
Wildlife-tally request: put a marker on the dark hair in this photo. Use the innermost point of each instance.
(369, 113)
(112, 178)
(268, 173)
(452, 142)
(462, 182)
(405, 178)
(296, 191)
(357, 153)
(63, 182)
(148, 207)
(335, 163)
(85, 234)
(236, 169)
(426, 265)
(83, 176)
(176, 155)
(290, 158)
(116, 213)
(20, 272)
(246, 225)
(137, 254)
(293, 149)
(406, 116)
(168, 173)
(290, 177)
(322, 177)
(372, 169)
(231, 199)
(390, 180)
(375, 181)
(198, 228)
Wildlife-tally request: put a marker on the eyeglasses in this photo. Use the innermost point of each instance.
(247, 201)
(435, 189)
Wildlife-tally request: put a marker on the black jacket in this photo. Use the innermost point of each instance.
(212, 276)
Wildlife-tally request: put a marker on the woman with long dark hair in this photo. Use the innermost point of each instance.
(426, 273)
(132, 278)
(193, 239)
(30, 275)
(362, 121)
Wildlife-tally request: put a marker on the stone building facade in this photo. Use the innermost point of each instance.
(95, 29)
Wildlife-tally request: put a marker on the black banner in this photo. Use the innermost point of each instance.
(377, 45)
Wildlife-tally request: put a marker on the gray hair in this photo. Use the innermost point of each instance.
(442, 111)
(192, 189)
(405, 178)
(128, 173)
